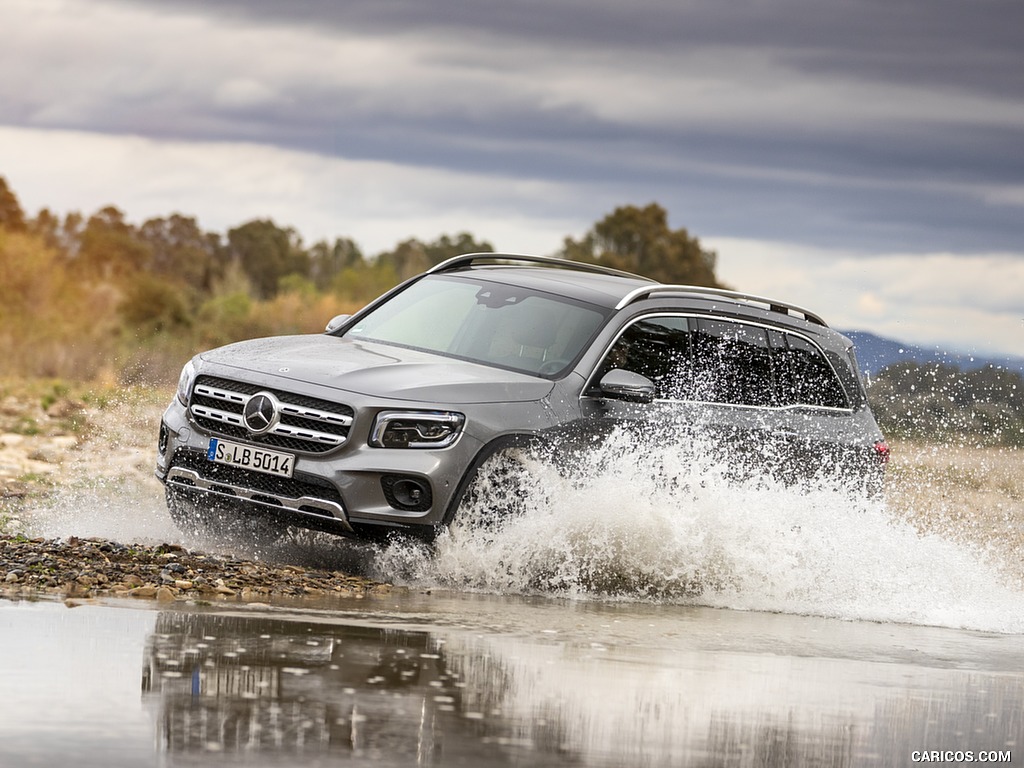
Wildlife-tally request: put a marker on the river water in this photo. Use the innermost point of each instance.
(655, 614)
(478, 680)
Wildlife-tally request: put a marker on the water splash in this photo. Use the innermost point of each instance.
(655, 523)
(105, 486)
(640, 521)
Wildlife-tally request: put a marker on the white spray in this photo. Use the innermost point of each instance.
(658, 524)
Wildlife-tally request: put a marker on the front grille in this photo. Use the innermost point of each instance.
(307, 424)
(294, 487)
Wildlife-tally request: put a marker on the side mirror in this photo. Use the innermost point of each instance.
(619, 384)
(336, 322)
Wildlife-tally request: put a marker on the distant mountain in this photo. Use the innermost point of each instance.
(876, 352)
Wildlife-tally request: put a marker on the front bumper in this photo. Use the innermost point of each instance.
(346, 489)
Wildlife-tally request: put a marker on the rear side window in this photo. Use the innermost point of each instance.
(719, 361)
(732, 364)
(805, 377)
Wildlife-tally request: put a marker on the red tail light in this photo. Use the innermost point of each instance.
(882, 452)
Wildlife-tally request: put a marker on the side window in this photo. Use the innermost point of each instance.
(658, 348)
(805, 377)
(719, 361)
(732, 364)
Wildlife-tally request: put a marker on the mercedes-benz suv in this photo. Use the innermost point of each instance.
(381, 423)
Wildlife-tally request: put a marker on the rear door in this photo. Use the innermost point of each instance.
(763, 401)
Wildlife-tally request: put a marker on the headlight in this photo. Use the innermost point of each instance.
(185, 381)
(416, 429)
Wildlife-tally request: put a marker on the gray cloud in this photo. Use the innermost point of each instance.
(960, 43)
(877, 123)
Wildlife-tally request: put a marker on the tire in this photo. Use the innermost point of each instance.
(502, 488)
(198, 515)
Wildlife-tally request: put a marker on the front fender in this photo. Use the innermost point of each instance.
(504, 443)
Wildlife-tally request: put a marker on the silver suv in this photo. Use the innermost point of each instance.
(382, 423)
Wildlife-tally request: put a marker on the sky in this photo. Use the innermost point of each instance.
(862, 158)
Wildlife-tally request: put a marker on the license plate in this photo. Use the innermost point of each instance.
(246, 682)
(258, 459)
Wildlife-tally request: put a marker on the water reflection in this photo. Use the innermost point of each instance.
(270, 690)
(257, 685)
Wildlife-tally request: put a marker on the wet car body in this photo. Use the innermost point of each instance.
(382, 423)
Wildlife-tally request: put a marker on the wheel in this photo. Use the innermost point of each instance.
(501, 489)
(190, 517)
(201, 516)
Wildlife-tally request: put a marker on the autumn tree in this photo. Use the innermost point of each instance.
(639, 240)
(151, 306)
(12, 218)
(51, 324)
(64, 235)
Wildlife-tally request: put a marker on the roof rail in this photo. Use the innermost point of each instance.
(773, 305)
(469, 259)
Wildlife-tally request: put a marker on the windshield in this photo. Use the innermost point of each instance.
(491, 323)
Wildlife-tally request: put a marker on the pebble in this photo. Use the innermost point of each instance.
(92, 567)
(81, 568)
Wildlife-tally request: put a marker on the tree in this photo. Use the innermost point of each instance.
(413, 256)
(63, 236)
(327, 261)
(12, 218)
(111, 248)
(639, 240)
(446, 247)
(153, 306)
(409, 258)
(182, 252)
(47, 226)
(267, 253)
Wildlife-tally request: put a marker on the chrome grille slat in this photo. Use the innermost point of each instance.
(307, 424)
(306, 434)
(317, 415)
(221, 394)
(217, 415)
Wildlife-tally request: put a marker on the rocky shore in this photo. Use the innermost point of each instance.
(76, 568)
(43, 435)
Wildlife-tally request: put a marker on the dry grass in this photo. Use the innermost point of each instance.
(975, 495)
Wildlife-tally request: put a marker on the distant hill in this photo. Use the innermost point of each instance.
(876, 352)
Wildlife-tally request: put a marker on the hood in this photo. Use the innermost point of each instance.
(378, 369)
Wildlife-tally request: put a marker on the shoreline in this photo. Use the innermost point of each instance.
(83, 568)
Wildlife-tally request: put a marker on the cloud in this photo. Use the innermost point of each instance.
(855, 147)
(967, 302)
(377, 204)
(750, 123)
(869, 305)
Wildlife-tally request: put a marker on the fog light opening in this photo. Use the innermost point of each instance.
(410, 494)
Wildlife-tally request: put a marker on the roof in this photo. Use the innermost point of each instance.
(604, 286)
(591, 283)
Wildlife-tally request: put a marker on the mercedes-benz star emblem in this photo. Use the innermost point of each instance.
(261, 413)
